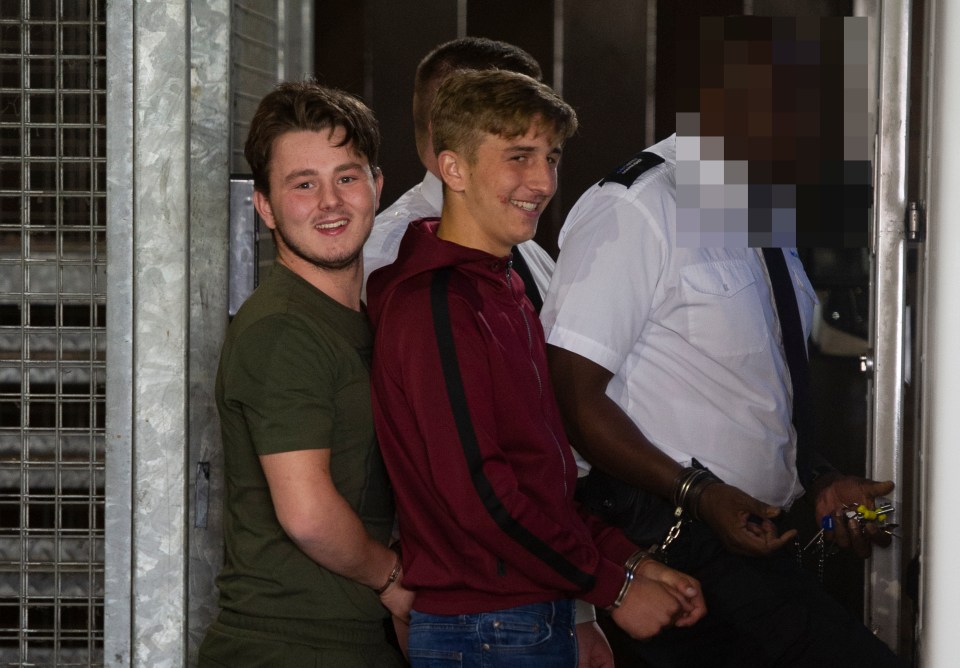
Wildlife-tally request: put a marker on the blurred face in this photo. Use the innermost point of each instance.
(322, 200)
(506, 187)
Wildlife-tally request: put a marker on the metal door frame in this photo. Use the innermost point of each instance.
(885, 401)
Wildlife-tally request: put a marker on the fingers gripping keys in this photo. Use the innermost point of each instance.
(858, 515)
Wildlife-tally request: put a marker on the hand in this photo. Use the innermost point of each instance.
(402, 629)
(734, 514)
(593, 647)
(838, 492)
(398, 600)
(652, 603)
(685, 588)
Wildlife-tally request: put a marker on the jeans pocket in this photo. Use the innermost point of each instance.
(514, 629)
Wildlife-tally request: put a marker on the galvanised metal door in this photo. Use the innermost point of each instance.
(52, 331)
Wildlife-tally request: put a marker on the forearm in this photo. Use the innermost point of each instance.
(601, 431)
(338, 541)
(320, 521)
(613, 442)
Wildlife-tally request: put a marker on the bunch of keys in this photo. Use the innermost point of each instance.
(879, 515)
(884, 508)
(826, 524)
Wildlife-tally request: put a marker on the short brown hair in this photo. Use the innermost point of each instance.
(294, 106)
(464, 53)
(470, 104)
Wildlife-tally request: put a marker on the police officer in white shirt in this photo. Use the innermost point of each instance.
(674, 346)
(665, 359)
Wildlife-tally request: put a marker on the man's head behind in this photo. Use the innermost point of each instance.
(773, 147)
(306, 105)
(472, 104)
(465, 53)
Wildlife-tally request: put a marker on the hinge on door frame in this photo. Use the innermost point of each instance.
(916, 222)
(202, 499)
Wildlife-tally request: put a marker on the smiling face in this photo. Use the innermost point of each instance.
(323, 198)
(497, 195)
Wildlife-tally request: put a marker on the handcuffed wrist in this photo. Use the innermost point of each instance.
(394, 574)
(688, 487)
(623, 591)
(637, 558)
(630, 567)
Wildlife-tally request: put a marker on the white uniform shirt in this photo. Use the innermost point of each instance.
(690, 334)
(425, 200)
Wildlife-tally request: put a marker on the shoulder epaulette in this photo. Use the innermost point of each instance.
(631, 170)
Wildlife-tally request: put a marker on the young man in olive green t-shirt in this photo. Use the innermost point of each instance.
(307, 576)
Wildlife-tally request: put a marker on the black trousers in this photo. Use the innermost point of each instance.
(761, 611)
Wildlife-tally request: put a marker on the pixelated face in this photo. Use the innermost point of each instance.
(507, 185)
(772, 145)
(322, 201)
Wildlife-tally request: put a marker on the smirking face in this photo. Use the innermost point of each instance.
(322, 201)
(504, 187)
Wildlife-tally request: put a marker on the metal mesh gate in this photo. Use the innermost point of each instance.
(52, 330)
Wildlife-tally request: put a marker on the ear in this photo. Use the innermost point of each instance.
(453, 170)
(378, 181)
(262, 204)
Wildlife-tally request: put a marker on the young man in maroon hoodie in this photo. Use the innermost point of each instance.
(494, 545)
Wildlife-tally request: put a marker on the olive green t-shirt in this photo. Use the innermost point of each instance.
(294, 375)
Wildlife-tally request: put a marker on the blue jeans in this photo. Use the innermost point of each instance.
(540, 635)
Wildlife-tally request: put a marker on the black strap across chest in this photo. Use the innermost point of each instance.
(795, 348)
(529, 285)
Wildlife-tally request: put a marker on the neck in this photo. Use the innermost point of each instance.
(341, 285)
(458, 226)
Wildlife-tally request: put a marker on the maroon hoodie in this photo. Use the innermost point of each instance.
(471, 434)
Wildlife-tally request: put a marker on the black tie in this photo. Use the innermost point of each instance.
(795, 347)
